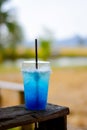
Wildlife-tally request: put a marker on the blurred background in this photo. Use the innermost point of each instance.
(60, 27)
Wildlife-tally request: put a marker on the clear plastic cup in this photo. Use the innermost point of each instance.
(36, 83)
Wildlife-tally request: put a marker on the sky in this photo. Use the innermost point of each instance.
(64, 18)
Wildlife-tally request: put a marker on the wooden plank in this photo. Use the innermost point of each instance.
(21, 96)
(11, 85)
(18, 115)
(51, 112)
(14, 116)
(0, 99)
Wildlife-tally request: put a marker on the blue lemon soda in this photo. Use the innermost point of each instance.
(36, 82)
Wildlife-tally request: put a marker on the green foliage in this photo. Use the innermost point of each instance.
(16, 128)
(12, 54)
(12, 30)
(45, 48)
(3, 1)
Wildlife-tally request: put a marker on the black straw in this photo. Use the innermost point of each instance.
(36, 54)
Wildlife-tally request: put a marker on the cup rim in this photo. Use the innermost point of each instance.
(39, 62)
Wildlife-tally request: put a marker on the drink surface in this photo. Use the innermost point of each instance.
(36, 89)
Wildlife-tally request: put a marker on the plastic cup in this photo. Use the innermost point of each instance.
(36, 83)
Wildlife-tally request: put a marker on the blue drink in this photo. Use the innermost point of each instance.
(36, 84)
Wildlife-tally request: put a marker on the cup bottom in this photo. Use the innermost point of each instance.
(35, 108)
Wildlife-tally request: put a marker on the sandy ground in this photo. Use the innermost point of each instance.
(68, 87)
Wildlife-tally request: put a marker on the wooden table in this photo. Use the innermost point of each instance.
(53, 118)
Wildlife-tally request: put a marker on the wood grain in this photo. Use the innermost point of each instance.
(17, 115)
